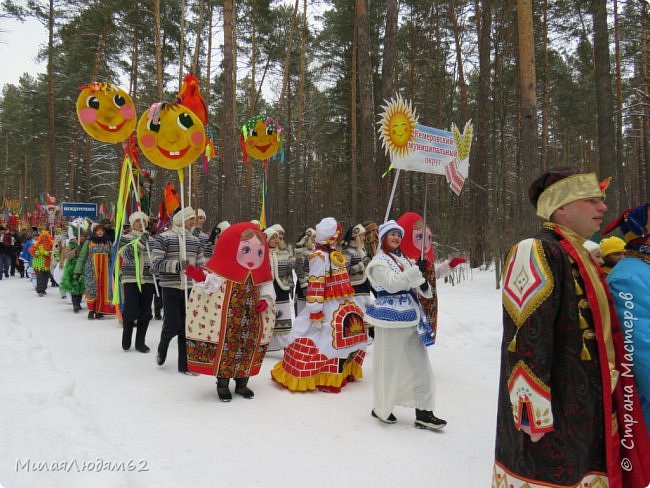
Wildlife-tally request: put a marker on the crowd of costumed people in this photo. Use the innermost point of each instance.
(230, 294)
(574, 384)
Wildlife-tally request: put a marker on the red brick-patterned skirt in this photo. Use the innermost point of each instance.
(304, 368)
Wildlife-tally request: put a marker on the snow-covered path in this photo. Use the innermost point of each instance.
(73, 403)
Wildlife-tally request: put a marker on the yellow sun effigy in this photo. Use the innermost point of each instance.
(397, 126)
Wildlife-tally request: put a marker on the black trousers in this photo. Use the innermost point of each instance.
(5, 264)
(137, 305)
(174, 323)
(41, 281)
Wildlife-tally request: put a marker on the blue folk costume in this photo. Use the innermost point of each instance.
(403, 373)
(629, 282)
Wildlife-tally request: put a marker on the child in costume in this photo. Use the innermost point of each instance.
(403, 373)
(329, 338)
(230, 316)
(42, 255)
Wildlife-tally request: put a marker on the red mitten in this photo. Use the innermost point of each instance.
(197, 274)
(261, 306)
(456, 261)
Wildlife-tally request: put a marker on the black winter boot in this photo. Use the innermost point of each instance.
(76, 303)
(91, 315)
(424, 419)
(162, 353)
(127, 334)
(140, 333)
(222, 389)
(242, 389)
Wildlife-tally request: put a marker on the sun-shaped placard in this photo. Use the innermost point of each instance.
(397, 125)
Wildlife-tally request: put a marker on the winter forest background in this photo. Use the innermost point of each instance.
(546, 83)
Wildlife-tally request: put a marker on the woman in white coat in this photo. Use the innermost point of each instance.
(403, 374)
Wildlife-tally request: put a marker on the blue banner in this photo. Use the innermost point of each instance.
(79, 210)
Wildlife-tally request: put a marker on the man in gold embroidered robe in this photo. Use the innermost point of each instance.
(566, 417)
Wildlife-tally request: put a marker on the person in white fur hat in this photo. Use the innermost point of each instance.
(169, 261)
(403, 373)
(137, 282)
(328, 339)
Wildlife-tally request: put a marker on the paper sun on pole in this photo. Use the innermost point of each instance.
(415, 147)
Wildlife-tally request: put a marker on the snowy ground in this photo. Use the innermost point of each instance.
(77, 411)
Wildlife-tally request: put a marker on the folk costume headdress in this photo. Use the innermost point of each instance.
(327, 231)
(559, 186)
(634, 224)
(224, 259)
(414, 236)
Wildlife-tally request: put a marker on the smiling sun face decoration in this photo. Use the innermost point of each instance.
(397, 126)
(106, 112)
(261, 138)
(170, 135)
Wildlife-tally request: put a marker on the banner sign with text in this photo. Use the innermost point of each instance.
(438, 152)
(79, 210)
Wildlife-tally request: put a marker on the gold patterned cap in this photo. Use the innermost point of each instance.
(560, 186)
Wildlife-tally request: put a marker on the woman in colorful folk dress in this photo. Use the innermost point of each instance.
(328, 338)
(230, 315)
(403, 373)
(281, 267)
(94, 262)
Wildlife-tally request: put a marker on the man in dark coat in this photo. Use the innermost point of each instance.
(568, 413)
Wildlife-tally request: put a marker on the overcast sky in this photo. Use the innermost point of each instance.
(19, 44)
